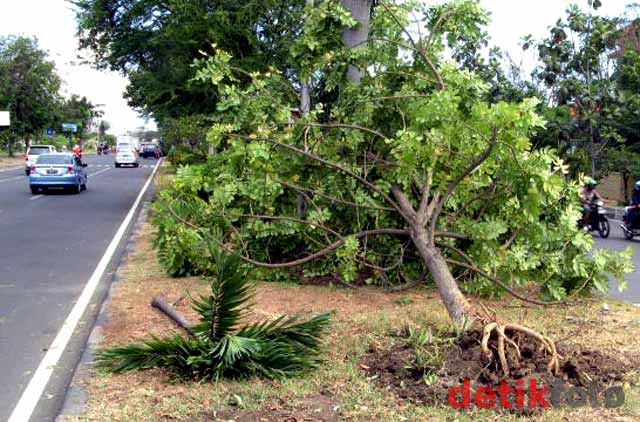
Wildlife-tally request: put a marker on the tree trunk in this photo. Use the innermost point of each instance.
(458, 307)
(592, 151)
(360, 11)
(159, 303)
(305, 98)
(625, 186)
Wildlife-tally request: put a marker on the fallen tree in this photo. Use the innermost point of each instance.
(409, 166)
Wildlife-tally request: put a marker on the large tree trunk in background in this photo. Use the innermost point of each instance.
(305, 109)
(592, 151)
(305, 98)
(360, 11)
(457, 306)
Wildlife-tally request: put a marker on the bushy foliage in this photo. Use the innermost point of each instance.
(177, 246)
(413, 121)
(222, 348)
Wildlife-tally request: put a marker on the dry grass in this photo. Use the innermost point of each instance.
(363, 317)
(6, 161)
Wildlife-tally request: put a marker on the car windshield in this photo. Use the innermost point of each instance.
(38, 150)
(54, 159)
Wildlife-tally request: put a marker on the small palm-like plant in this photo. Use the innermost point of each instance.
(219, 347)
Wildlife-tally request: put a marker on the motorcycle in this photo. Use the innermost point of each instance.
(102, 149)
(630, 224)
(597, 219)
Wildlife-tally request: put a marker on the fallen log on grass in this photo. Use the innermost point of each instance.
(159, 303)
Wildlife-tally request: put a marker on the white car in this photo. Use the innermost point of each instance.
(126, 155)
(33, 152)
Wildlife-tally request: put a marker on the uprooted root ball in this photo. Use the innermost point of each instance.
(505, 342)
(463, 358)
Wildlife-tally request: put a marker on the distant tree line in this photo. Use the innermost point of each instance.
(30, 91)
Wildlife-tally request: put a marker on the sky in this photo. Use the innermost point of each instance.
(52, 22)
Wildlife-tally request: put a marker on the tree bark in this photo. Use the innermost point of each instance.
(458, 307)
(159, 303)
(305, 98)
(360, 11)
(592, 151)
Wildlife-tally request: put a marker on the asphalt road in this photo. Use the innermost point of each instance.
(49, 247)
(617, 242)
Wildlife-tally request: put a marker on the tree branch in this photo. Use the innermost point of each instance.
(408, 212)
(454, 183)
(338, 126)
(333, 165)
(332, 198)
(424, 57)
(470, 265)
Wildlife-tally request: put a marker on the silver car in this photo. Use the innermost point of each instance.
(126, 156)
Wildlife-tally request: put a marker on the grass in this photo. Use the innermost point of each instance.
(339, 390)
(6, 161)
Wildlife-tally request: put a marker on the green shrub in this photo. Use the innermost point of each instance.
(176, 244)
(180, 155)
(219, 346)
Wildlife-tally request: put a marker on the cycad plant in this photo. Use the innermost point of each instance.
(219, 347)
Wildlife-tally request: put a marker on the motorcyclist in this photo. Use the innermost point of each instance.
(588, 197)
(632, 210)
(77, 151)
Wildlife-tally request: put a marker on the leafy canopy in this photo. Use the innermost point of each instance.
(407, 125)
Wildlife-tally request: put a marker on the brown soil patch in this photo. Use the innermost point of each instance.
(463, 359)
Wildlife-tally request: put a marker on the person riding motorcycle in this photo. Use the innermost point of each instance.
(588, 197)
(77, 151)
(632, 210)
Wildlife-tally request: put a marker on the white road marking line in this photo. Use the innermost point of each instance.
(98, 172)
(31, 395)
(35, 197)
(13, 178)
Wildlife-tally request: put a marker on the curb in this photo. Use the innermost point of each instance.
(76, 396)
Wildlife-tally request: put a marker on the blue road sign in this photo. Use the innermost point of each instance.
(50, 131)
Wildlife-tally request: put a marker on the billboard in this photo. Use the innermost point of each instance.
(5, 119)
(70, 127)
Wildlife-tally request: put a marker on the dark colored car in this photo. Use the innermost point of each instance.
(149, 151)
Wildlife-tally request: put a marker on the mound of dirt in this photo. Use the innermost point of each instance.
(462, 359)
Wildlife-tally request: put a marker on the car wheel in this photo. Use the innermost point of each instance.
(76, 189)
(27, 172)
(34, 190)
(136, 165)
(117, 165)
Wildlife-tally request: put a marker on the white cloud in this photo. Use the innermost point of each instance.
(52, 23)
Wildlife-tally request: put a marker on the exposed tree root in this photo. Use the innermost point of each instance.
(503, 342)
